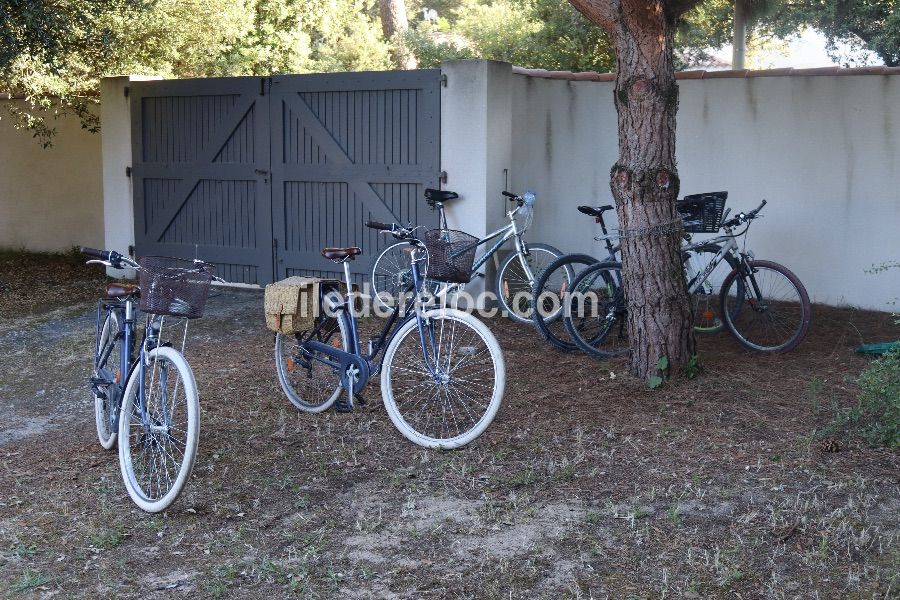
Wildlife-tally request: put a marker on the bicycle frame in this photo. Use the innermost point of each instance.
(353, 354)
(128, 363)
(505, 233)
(729, 246)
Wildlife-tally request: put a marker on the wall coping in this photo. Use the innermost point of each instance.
(704, 74)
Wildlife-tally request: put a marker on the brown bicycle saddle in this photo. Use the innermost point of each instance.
(341, 253)
(122, 290)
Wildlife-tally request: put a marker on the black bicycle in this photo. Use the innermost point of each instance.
(761, 303)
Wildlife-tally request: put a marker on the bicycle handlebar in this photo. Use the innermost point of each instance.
(101, 254)
(509, 195)
(401, 233)
(381, 226)
(744, 217)
(116, 260)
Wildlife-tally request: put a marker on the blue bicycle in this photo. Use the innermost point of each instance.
(442, 371)
(147, 400)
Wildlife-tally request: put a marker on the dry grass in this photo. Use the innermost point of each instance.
(585, 486)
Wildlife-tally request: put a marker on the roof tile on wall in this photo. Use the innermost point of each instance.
(703, 74)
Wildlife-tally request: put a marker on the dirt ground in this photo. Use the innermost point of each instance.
(587, 485)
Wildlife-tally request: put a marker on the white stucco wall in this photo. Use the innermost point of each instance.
(823, 150)
(50, 199)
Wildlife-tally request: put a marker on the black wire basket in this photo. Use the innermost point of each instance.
(451, 254)
(702, 213)
(174, 286)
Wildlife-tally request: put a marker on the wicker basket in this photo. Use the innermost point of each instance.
(174, 286)
(292, 305)
(702, 213)
(450, 255)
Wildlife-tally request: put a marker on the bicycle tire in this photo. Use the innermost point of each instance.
(392, 275)
(138, 446)
(404, 377)
(771, 305)
(514, 292)
(598, 325)
(319, 387)
(552, 328)
(105, 409)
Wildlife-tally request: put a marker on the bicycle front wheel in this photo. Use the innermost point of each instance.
(452, 399)
(107, 366)
(595, 314)
(158, 434)
(551, 289)
(515, 283)
(776, 310)
(311, 385)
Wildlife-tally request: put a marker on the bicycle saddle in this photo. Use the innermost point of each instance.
(122, 290)
(341, 253)
(594, 212)
(433, 196)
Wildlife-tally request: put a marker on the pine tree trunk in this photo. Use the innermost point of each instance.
(645, 182)
(394, 25)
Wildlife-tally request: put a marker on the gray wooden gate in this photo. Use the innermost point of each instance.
(258, 174)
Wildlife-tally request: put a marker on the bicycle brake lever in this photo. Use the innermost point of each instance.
(95, 261)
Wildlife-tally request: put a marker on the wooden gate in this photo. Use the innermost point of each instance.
(200, 164)
(258, 174)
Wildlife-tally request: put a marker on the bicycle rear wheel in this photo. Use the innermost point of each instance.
(311, 385)
(157, 446)
(776, 310)
(514, 290)
(706, 302)
(392, 276)
(596, 314)
(453, 406)
(107, 367)
(550, 291)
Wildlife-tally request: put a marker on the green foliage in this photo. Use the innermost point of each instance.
(876, 417)
(547, 34)
(179, 38)
(861, 25)
(693, 367)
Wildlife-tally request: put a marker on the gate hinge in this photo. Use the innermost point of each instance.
(127, 90)
(130, 250)
(443, 80)
(127, 171)
(265, 83)
(442, 176)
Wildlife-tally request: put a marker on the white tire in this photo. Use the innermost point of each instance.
(144, 455)
(465, 401)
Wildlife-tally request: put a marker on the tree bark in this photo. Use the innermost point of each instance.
(645, 184)
(739, 37)
(394, 25)
(644, 181)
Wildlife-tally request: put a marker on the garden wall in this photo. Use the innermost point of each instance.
(50, 199)
(823, 149)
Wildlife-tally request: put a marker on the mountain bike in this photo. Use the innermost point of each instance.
(442, 371)
(761, 303)
(146, 399)
(391, 273)
(555, 282)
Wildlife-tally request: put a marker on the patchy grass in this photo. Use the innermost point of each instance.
(585, 486)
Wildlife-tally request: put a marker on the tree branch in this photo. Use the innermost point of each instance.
(676, 8)
(599, 12)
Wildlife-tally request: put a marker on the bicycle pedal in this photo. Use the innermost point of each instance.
(358, 399)
(342, 405)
